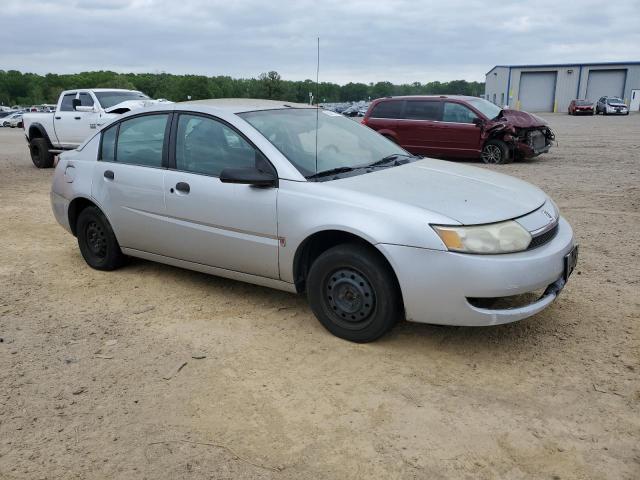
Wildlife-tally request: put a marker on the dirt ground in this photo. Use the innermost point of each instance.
(90, 384)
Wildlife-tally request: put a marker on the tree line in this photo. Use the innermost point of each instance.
(17, 88)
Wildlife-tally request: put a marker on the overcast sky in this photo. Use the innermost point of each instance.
(360, 40)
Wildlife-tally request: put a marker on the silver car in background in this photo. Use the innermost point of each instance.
(305, 200)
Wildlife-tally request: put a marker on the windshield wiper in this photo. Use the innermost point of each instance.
(332, 171)
(390, 158)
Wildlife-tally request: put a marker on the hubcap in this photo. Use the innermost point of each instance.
(491, 154)
(350, 296)
(96, 239)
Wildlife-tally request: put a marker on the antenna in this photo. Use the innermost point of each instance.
(317, 100)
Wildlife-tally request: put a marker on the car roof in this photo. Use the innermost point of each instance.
(240, 105)
(429, 97)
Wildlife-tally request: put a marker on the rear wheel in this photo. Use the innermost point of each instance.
(97, 242)
(495, 152)
(40, 155)
(353, 292)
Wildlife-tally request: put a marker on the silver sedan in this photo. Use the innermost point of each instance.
(307, 201)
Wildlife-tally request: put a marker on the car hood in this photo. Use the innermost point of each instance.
(128, 105)
(467, 195)
(517, 118)
(616, 104)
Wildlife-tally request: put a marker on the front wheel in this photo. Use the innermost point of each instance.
(40, 155)
(353, 292)
(97, 242)
(495, 152)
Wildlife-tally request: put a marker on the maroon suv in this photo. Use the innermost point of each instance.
(454, 126)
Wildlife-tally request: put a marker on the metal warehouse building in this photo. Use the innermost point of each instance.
(550, 88)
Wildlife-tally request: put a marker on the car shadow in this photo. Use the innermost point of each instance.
(523, 336)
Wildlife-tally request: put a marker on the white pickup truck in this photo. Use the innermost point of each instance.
(78, 114)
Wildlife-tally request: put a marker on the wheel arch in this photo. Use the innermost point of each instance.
(76, 206)
(318, 242)
(37, 130)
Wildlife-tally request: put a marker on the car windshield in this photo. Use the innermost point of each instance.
(341, 143)
(109, 99)
(485, 107)
(583, 102)
(614, 100)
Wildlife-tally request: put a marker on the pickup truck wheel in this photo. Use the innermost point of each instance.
(40, 156)
(353, 293)
(495, 152)
(97, 242)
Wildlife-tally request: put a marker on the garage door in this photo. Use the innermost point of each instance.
(606, 83)
(537, 91)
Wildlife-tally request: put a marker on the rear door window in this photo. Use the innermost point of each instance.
(387, 109)
(457, 113)
(423, 110)
(141, 140)
(108, 144)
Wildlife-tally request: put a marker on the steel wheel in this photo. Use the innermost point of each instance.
(97, 242)
(96, 239)
(351, 297)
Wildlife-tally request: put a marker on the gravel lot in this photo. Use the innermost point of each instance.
(91, 385)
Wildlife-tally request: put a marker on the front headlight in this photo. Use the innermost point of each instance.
(503, 237)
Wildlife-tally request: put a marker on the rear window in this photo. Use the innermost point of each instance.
(388, 109)
(422, 110)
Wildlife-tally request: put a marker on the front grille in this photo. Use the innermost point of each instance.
(543, 238)
(506, 303)
(537, 140)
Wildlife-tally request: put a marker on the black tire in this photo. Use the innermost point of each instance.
(495, 152)
(97, 242)
(40, 155)
(353, 292)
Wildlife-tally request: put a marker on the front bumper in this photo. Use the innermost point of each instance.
(525, 150)
(435, 284)
(617, 110)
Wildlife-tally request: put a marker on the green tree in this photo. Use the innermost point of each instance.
(271, 84)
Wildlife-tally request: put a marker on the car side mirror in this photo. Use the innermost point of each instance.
(249, 176)
(76, 103)
(477, 121)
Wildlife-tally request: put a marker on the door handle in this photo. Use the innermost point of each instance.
(58, 118)
(108, 174)
(183, 187)
(77, 118)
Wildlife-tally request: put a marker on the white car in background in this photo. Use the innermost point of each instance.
(13, 120)
(306, 200)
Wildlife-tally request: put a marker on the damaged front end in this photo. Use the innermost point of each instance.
(525, 134)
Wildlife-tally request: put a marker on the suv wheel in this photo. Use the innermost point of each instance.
(353, 293)
(495, 152)
(40, 155)
(97, 241)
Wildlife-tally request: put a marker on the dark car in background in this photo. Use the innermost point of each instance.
(612, 106)
(581, 107)
(456, 126)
